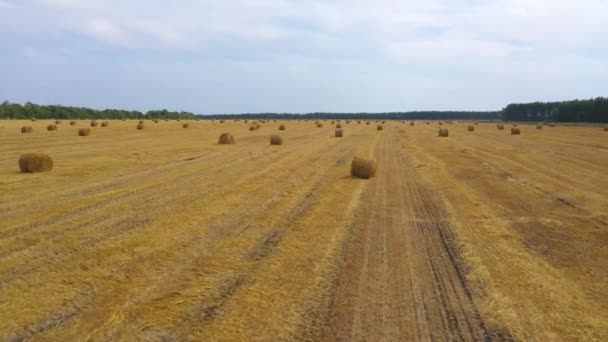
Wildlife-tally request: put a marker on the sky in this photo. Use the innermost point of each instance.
(301, 56)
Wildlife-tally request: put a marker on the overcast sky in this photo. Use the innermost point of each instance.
(229, 56)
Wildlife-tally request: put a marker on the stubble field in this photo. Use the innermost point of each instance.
(162, 234)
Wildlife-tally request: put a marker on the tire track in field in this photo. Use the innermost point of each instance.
(404, 278)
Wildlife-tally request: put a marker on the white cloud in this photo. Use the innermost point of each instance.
(106, 31)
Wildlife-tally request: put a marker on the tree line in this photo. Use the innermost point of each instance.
(592, 110)
(421, 115)
(33, 111)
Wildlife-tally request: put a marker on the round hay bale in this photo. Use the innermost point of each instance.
(358, 122)
(26, 129)
(606, 129)
(58, 122)
(319, 125)
(73, 123)
(444, 132)
(140, 126)
(411, 124)
(221, 121)
(51, 127)
(379, 127)
(367, 123)
(276, 140)
(83, 132)
(246, 121)
(94, 123)
(252, 128)
(515, 131)
(477, 123)
(33, 119)
(35, 162)
(226, 139)
(428, 123)
(155, 121)
(339, 133)
(500, 127)
(186, 125)
(141, 122)
(471, 128)
(539, 126)
(282, 128)
(104, 124)
(339, 126)
(363, 168)
(440, 123)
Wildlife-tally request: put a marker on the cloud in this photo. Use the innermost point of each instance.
(350, 54)
(106, 31)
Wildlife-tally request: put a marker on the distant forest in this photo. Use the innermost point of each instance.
(31, 111)
(593, 110)
(426, 115)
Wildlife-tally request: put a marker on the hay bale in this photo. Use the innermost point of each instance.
(411, 124)
(444, 132)
(440, 123)
(26, 129)
(186, 125)
(57, 122)
(35, 162)
(104, 124)
(83, 132)
(94, 123)
(140, 126)
(226, 139)
(339, 126)
(252, 128)
(515, 131)
(155, 121)
(276, 140)
(339, 133)
(51, 127)
(221, 121)
(367, 123)
(73, 123)
(319, 125)
(363, 168)
(379, 127)
(477, 123)
(141, 122)
(471, 128)
(539, 126)
(282, 128)
(500, 127)
(606, 129)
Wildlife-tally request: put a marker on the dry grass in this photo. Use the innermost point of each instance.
(276, 140)
(84, 132)
(226, 139)
(177, 238)
(35, 162)
(363, 168)
(444, 132)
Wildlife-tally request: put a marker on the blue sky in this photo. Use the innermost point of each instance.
(302, 56)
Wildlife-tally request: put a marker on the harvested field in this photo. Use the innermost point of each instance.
(167, 235)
